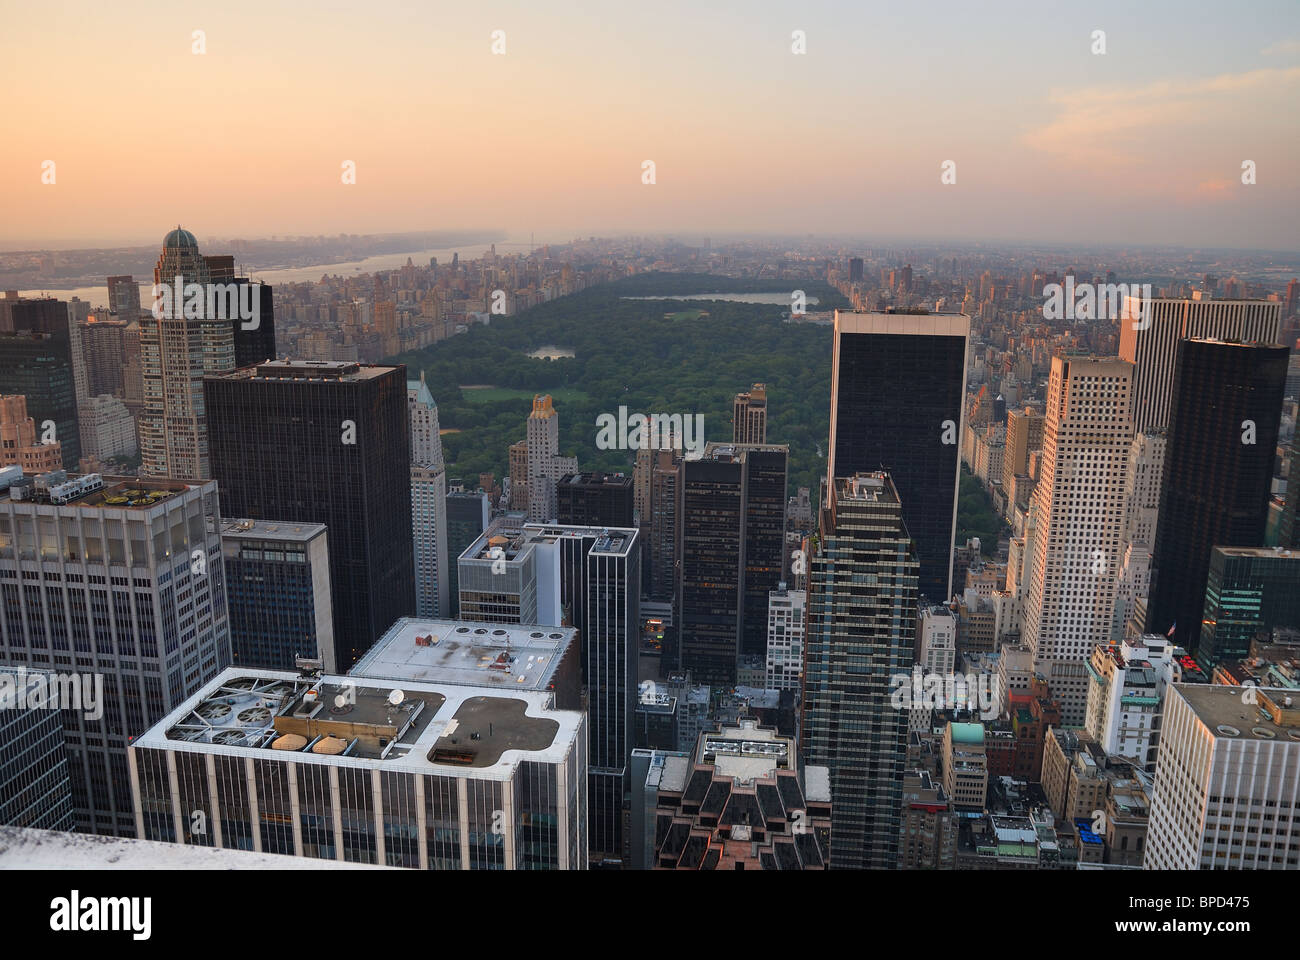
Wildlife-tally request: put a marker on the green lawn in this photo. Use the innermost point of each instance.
(496, 394)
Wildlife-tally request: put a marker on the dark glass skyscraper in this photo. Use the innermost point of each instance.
(325, 442)
(731, 550)
(898, 384)
(595, 500)
(36, 361)
(1223, 429)
(862, 603)
(468, 515)
(1248, 589)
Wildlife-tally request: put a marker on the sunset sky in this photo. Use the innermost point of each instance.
(1141, 145)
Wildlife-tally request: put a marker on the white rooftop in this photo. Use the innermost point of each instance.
(24, 848)
(468, 652)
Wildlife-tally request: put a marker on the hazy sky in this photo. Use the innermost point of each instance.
(1143, 144)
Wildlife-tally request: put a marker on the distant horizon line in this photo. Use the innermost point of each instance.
(507, 237)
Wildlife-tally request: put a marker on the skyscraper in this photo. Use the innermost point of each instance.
(1223, 427)
(124, 297)
(177, 351)
(468, 515)
(595, 500)
(1248, 589)
(1072, 575)
(749, 415)
(120, 579)
(588, 578)
(730, 554)
(862, 614)
(545, 465)
(898, 383)
(1024, 436)
(325, 442)
(35, 790)
(36, 361)
(442, 777)
(1227, 781)
(428, 503)
(1142, 486)
(1165, 321)
(664, 524)
(278, 584)
(19, 445)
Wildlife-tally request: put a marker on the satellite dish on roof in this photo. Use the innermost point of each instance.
(396, 697)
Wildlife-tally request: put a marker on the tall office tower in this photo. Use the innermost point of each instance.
(107, 428)
(595, 500)
(936, 640)
(862, 610)
(741, 777)
(785, 636)
(19, 445)
(254, 337)
(545, 465)
(36, 361)
(898, 382)
(177, 351)
(1223, 427)
(855, 269)
(498, 579)
(325, 442)
(124, 297)
(428, 503)
(1227, 781)
(468, 515)
(255, 342)
(1142, 485)
(35, 789)
(594, 583)
(1248, 589)
(749, 415)
(664, 525)
(104, 360)
(132, 367)
(730, 554)
(1024, 436)
(119, 579)
(1074, 568)
(519, 475)
(278, 584)
(1166, 321)
(78, 316)
(442, 777)
(588, 578)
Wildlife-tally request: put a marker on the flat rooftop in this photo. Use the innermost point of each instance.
(24, 848)
(109, 493)
(308, 370)
(283, 530)
(412, 726)
(746, 752)
(468, 653)
(612, 540)
(1222, 709)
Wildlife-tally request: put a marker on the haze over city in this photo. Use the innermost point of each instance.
(1051, 140)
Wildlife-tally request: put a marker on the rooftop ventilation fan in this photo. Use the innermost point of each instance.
(254, 715)
(229, 738)
(213, 711)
